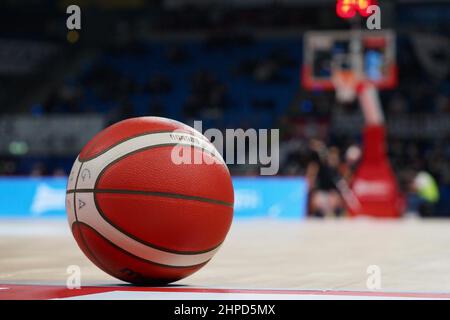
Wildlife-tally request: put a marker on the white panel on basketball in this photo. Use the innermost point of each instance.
(91, 169)
(72, 180)
(70, 200)
(88, 214)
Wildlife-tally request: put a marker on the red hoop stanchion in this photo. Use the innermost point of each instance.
(374, 184)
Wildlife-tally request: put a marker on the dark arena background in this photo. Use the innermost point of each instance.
(359, 204)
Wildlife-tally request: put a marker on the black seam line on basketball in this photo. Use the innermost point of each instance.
(96, 261)
(148, 244)
(139, 258)
(83, 240)
(159, 194)
(152, 193)
(141, 135)
(135, 152)
(74, 196)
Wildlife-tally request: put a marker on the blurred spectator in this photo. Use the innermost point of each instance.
(39, 170)
(59, 172)
(423, 194)
(323, 174)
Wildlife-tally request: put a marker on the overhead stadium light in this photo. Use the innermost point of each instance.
(347, 9)
(362, 6)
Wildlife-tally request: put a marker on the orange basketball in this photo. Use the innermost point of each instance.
(141, 216)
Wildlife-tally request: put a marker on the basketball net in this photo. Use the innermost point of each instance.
(345, 83)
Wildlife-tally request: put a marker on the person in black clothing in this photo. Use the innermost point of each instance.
(323, 174)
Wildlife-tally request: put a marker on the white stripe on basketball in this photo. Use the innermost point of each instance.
(71, 184)
(88, 214)
(92, 168)
(70, 209)
(72, 180)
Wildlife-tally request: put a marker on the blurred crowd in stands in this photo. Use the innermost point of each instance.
(243, 82)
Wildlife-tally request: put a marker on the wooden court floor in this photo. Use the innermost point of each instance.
(412, 255)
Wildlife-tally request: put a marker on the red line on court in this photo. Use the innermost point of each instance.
(38, 292)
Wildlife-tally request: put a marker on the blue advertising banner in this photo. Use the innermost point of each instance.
(255, 197)
(32, 197)
(272, 197)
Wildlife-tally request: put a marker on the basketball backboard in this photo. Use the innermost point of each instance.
(371, 54)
